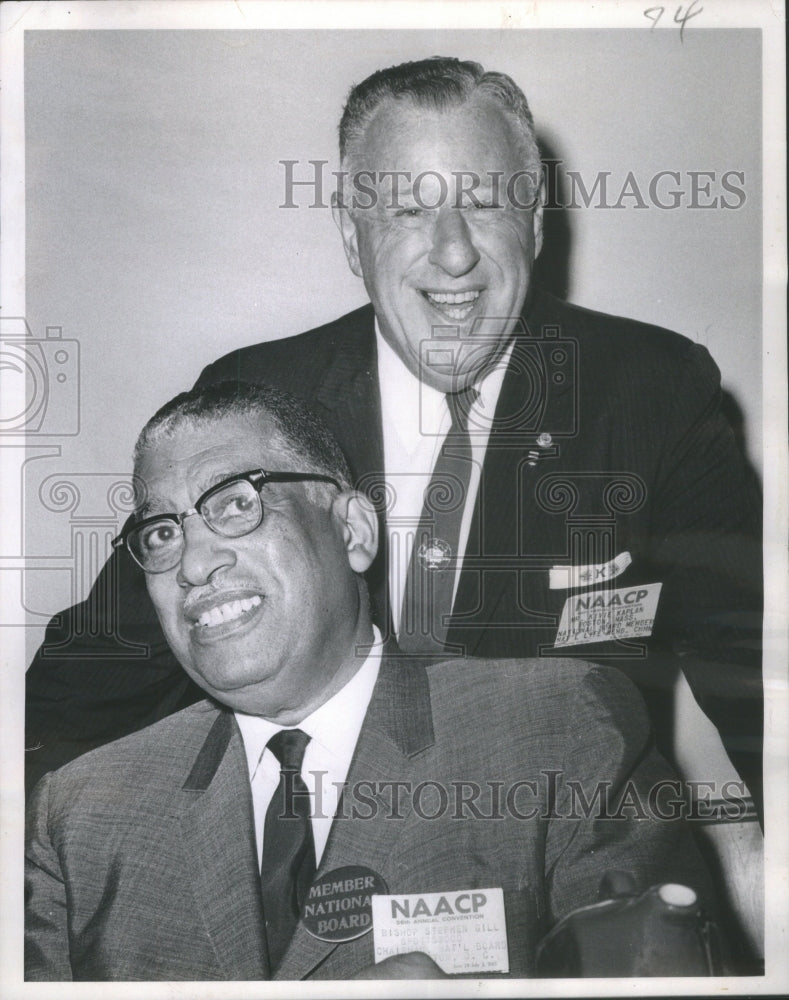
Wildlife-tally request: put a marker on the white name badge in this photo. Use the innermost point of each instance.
(599, 615)
(461, 931)
(570, 577)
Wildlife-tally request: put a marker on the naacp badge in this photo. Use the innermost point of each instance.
(339, 903)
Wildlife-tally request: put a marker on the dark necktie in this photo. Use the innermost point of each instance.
(288, 866)
(429, 585)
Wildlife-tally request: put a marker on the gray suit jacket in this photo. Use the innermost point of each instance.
(141, 862)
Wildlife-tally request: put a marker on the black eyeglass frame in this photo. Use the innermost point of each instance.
(257, 478)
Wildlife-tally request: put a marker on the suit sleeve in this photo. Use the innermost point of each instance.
(617, 803)
(103, 670)
(707, 548)
(706, 523)
(46, 911)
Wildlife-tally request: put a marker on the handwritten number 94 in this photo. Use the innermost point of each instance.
(655, 13)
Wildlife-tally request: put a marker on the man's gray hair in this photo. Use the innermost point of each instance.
(440, 82)
(301, 434)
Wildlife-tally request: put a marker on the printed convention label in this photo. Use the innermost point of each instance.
(461, 931)
(599, 615)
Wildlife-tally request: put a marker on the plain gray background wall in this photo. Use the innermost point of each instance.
(155, 235)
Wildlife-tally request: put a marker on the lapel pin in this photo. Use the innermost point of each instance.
(434, 554)
(544, 440)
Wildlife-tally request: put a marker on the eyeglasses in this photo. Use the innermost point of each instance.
(232, 509)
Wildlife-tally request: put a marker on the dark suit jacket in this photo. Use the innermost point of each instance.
(640, 461)
(141, 861)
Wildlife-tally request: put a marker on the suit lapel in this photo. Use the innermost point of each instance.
(398, 725)
(219, 853)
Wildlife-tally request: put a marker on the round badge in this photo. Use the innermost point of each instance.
(434, 554)
(339, 907)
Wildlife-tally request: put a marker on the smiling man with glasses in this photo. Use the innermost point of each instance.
(251, 551)
(212, 845)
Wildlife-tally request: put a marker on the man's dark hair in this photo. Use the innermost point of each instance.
(439, 82)
(302, 435)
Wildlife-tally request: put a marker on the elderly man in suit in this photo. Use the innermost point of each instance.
(187, 851)
(596, 462)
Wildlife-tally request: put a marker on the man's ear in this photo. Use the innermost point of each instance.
(359, 528)
(350, 240)
(537, 214)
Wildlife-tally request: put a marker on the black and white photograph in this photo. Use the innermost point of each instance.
(394, 467)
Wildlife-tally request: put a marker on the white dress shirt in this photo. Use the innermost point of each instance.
(333, 729)
(416, 421)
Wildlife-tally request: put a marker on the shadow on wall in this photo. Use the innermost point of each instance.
(552, 268)
(733, 412)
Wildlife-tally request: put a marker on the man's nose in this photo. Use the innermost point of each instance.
(453, 249)
(204, 553)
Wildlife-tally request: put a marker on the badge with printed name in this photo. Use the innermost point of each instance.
(338, 905)
(463, 931)
(601, 615)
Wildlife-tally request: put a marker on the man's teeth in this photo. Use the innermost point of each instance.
(227, 612)
(453, 297)
(455, 305)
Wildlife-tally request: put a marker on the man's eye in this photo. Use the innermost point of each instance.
(482, 206)
(157, 536)
(242, 504)
(408, 213)
(234, 505)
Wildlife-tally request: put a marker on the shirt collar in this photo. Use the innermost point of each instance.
(334, 726)
(402, 394)
(405, 401)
